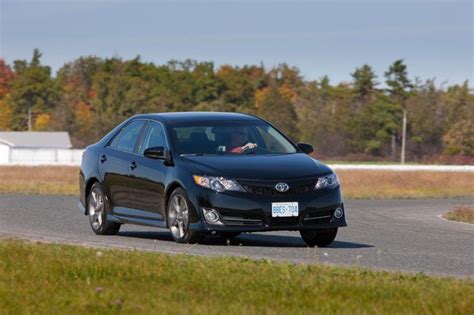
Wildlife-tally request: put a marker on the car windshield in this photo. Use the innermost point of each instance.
(229, 137)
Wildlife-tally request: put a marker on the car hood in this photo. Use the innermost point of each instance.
(269, 167)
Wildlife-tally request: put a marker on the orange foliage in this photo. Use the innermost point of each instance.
(91, 94)
(260, 96)
(69, 87)
(83, 115)
(42, 121)
(224, 70)
(5, 114)
(288, 92)
(256, 73)
(284, 90)
(6, 77)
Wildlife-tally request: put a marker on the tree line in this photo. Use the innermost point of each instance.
(353, 120)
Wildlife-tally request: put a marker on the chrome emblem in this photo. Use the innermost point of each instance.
(282, 187)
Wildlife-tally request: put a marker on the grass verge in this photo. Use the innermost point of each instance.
(60, 279)
(462, 214)
(364, 184)
(39, 180)
(356, 184)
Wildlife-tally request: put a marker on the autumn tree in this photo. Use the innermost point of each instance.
(90, 95)
(427, 119)
(74, 84)
(459, 138)
(277, 108)
(32, 90)
(240, 85)
(6, 79)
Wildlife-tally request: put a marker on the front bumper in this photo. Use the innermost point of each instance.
(246, 212)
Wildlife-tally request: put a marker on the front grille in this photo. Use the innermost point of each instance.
(271, 191)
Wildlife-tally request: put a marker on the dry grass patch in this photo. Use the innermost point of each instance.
(463, 214)
(39, 180)
(356, 184)
(364, 184)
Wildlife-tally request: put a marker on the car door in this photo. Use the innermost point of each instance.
(114, 165)
(148, 177)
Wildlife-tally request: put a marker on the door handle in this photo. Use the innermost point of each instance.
(103, 158)
(133, 165)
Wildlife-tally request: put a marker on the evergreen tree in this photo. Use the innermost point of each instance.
(399, 85)
(364, 83)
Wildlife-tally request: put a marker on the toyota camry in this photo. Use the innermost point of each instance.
(200, 174)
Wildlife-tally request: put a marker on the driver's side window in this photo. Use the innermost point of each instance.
(155, 137)
(127, 138)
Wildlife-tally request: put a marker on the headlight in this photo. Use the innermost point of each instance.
(218, 184)
(329, 181)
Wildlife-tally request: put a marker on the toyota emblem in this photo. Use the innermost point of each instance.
(282, 187)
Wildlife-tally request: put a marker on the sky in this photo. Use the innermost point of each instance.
(435, 38)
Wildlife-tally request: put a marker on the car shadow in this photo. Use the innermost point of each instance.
(160, 236)
(247, 239)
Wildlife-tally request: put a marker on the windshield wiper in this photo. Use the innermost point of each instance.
(192, 154)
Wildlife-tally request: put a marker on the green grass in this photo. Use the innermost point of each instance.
(60, 279)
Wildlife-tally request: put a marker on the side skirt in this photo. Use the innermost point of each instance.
(139, 221)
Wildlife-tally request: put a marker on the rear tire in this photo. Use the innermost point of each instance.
(97, 207)
(320, 238)
(178, 218)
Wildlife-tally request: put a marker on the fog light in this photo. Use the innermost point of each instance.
(338, 213)
(212, 216)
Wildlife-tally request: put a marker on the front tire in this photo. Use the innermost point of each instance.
(97, 210)
(320, 238)
(178, 218)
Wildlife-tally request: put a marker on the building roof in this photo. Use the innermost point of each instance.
(36, 139)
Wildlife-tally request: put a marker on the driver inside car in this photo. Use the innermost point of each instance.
(239, 142)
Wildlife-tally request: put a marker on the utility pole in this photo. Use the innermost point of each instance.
(394, 147)
(30, 127)
(404, 136)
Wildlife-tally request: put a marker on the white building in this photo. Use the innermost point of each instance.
(20, 147)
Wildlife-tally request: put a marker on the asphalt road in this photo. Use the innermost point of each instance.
(406, 235)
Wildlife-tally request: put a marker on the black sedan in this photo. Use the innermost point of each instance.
(208, 174)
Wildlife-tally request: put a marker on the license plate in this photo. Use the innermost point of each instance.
(284, 209)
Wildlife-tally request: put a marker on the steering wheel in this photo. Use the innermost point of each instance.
(254, 150)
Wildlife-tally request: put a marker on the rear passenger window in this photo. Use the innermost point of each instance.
(128, 136)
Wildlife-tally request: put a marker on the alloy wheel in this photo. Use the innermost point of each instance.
(96, 208)
(178, 216)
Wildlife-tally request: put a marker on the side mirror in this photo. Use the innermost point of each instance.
(157, 153)
(306, 148)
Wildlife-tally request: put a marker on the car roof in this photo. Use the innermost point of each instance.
(196, 116)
